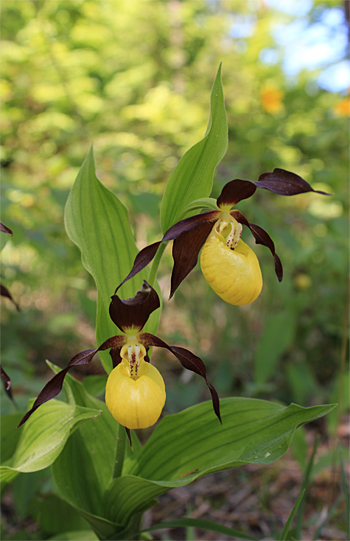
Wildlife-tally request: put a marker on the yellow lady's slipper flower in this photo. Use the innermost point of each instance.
(135, 391)
(228, 264)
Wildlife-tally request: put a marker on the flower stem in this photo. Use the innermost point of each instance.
(155, 264)
(119, 451)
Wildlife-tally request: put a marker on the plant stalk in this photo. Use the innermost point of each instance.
(119, 451)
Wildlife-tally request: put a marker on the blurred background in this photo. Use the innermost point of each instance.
(134, 79)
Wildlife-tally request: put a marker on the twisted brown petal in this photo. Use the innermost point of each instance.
(4, 292)
(185, 253)
(5, 229)
(145, 256)
(261, 237)
(188, 361)
(54, 386)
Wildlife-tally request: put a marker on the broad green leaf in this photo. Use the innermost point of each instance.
(192, 444)
(98, 223)
(193, 176)
(277, 337)
(9, 435)
(43, 437)
(45, 434)
(48, 512)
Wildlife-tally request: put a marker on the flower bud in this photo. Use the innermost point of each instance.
(233, 273)
(135, 401)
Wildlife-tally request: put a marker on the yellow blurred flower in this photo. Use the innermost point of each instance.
(342, 108)
(271, 100)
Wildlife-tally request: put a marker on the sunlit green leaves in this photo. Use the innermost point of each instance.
(43, 437)
(193, 176)
(98, 223)
(192, 443)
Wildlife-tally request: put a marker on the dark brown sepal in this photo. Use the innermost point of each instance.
(54, 386)
(188, 361)
(7, 383)
(128, 433)
(285, 183)
(261, 237)
(115, 356)
(143, 258)
(4, 292)
(5, 229)
(235, 191)
(185, 253)
(191, 223)
(134, 312)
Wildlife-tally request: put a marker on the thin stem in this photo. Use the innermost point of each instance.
(119, 451)
(155, 264)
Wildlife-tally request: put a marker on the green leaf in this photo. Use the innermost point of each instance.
(45, 434)
(84, 469)
(98, 223)
(192, 444)
(193, 176)
(83, 535)
(9, 435)
(198, 523)
(48, 512)
(277, 337)
(43, 437)
(291, 516)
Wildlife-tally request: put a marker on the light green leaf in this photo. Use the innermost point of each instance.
(43, 437)
(98, 223)
(192, 444)
(193, 176)
(288, 524)
(276, 339)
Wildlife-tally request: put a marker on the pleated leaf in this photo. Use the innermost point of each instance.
(193, 176)
(43, 437)
(192, 444)
(98, 223)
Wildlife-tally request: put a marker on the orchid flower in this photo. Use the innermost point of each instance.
(135, 391)
(228, 264)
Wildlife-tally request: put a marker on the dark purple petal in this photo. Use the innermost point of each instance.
(115, 356)
(5, 378)
(145, 256)
(185, 253)
(191, 223)
(134, 312)
(7, 383)
(188, 361)
(5, 229)
(129, 436)
(4, 292)
(54, 386)
(235, 191)
(285, 183)
(261, 237)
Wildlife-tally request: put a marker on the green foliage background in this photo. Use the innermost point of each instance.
(136, 83)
